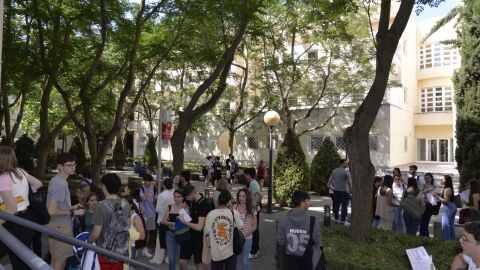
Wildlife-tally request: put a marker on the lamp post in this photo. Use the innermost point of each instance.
(271, 119)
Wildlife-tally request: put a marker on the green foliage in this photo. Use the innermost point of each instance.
(119, 157)
(51, 160)
(290, 170)
(78, 149)
(383, 250)
(467, 89)
(24, 150)
(326, 159)
(150, 156)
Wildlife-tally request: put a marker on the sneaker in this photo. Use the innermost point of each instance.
(336, 220)
(146, 253)
(166, 259)
(253, 256)
(346, 223)
(155, 261)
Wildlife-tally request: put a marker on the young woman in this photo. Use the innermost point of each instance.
(219, 228)
(385, 204)
(90, 204)
(449, 208)
(164, 199)
(222, 184)
(137, 227)
(397, 172)
(169, 217)
(473, 200)
(398, 190)
(429, 208)
(248, 214)
(14, 189)
(178, 182)
(411, 223)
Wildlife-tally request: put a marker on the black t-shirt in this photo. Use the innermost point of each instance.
(198, 209)
(227, 163)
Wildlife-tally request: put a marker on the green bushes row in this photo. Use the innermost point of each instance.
(384, 250)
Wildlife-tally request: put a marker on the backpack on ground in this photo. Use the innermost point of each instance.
(117, 235)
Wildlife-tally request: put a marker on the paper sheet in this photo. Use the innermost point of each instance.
(431, 199)
(465, 196)
(185, 215)
(419, 259)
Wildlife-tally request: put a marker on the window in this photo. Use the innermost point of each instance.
(436, 99)
(274, 142)
(252, 142)
(340, 143)
(405, 144)
(437, 54)
(315, 142)
(373, 142)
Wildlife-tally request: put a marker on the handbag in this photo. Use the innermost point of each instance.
(458, 201)
(465, 216)
(238, 238)
(38, 205)
(412, 206)
(182, 233)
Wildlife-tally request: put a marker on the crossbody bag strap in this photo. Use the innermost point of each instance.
(312, 225)
(233, 215)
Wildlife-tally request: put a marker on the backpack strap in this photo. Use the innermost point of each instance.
(233, 215)
(312, 225)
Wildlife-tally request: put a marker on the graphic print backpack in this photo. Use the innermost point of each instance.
(116, 234)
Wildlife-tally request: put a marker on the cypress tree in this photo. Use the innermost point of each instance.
(78, 149)
(150, 156)
(119, 158)
(467, 89)
(324, 161)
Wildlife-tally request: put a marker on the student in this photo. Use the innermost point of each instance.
(14, 189)
(257, 196)
(411, 223)
(219, 226)
(164, 199)
(470, 242)
(222, 184)
(103, 214)
(147, 195)
(449, 208)
(169, 217)
(377, 183)
(199, 209)
(60, 209)
(385, 204)
(341, 183)
(293, 234)
(248, 214)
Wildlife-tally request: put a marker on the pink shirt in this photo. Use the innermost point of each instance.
(6, 182)
(247, 221)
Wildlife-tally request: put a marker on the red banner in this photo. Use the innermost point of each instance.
(167, 130)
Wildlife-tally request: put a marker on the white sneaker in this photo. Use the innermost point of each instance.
(146, 253)
(155, 261)
(336, 220)
(346, 223)
(253, 256)
(166, 259)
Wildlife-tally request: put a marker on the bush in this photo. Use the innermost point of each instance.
(150, 156)
(78, 149)
(119, 158)
(326, 159)
(384, 250)
(290, 170)
(25, 150)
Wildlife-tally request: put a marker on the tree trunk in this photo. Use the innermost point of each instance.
(43, 149)
(231, 137)
(178, 141)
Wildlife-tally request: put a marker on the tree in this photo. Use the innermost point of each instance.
(356, 136)
(119, 158)
(467, 89)
(24, 150)
(290, 170)
(150, 156)
(324, 162)
(78, 149)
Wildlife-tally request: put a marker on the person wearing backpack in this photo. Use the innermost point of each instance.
(297, 236)
(147, 194)
(111, 223)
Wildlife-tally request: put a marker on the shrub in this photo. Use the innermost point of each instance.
(78, 149)
(119, 158)
(290, 170)
(383, 250)
(25, 150)
(150, 156)
(324, 161)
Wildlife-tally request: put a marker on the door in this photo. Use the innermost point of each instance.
(443, 150)
(432, 150)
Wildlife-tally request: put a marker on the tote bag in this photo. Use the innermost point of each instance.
(412, 206)
(238, 238)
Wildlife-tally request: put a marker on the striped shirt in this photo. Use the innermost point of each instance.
(247, 221)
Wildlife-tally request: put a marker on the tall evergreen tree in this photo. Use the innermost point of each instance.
(324, 161)
(467, 89)
(78, 149)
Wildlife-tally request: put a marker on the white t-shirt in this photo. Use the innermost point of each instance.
(219, 227)
(469, 261)
(164, 199)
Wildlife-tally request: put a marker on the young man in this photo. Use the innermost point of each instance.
(341, 183)
(102, 215)
(186, 176)
(208, 171)
(257, 196)
(470, 242)
(293, 234)
(217, 170)
(412, 171)
(147, 195)
(199, 209)
(227, 165)
(60, 209)
(233, 170)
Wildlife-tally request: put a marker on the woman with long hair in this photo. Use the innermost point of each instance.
(137, 227)
(398, 190)
(449, 208)
(430, 209)
(164, 199)
(397, 172)
(169, 217)
(411, 223)
(385, 204)
(473, 200)
(248, 214)
(178, 182)
(15, 184)
(221, 184)
(90, 204)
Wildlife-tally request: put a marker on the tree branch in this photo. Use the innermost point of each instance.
(367, 9)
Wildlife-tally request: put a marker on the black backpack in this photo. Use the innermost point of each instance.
(117, 233)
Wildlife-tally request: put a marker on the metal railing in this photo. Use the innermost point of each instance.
(32, 260)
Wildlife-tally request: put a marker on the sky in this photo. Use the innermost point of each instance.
(432, 12)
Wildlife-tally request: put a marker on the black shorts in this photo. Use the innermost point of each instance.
(193, 247)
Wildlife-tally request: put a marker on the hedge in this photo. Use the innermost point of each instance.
(384, 250)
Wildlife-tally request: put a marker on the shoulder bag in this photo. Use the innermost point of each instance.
(412, 206)
(238, 238)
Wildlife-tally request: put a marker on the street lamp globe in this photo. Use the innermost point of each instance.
(271, 119)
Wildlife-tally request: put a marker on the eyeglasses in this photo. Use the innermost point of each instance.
(465, 239)
(71, 165)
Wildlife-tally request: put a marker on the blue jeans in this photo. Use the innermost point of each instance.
(398, 223)
(244, 263)
(341, 198)
(411, 224)
(448, 220)
(173, 250)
